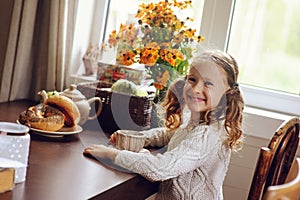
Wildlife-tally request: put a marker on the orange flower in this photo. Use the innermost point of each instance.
(189, 33)
(161, 80)
(123, 27)
(158, 86)
(172, 56)
(113, 39)
(149, 56)
(182, 5)
(200, 38)
(130, 35)
(126, 57)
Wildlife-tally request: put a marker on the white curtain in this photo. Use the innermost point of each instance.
(39, 48)
(61, 31)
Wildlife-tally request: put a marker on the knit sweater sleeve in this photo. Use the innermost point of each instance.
(157, 137)
(186, 156)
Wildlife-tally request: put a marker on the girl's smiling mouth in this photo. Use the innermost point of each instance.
(196, 98)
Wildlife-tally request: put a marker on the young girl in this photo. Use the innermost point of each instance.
(198, 153)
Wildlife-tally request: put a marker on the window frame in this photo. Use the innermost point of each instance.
(215, 26)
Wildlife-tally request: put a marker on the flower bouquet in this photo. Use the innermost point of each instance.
(160, 40)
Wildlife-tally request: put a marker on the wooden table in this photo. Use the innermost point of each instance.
(58, 170)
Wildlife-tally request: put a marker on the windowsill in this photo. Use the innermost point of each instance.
(261, 123)
(265, 113)
(76, 78)
(269, 99)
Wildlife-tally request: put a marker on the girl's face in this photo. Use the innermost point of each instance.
(205, 85)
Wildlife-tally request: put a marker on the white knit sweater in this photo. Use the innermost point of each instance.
(193, 167)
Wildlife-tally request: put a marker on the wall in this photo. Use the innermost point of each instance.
(259, 127)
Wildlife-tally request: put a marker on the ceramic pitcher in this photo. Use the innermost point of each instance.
(83, 104)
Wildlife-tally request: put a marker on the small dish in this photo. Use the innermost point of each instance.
(62, 131)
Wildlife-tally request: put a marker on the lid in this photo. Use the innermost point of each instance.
(73, 93)
(12, 128)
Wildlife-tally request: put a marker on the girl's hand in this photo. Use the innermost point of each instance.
(101, 151)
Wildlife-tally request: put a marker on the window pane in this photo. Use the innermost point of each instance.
(265, 38)
(124, 12)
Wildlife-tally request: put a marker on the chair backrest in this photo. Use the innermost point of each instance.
(275, 161)
(288, 190)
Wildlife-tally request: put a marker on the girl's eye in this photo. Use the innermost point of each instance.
(191, 79)
(208, 83)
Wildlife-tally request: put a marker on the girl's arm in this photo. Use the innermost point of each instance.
(186, 156)
(157, 137)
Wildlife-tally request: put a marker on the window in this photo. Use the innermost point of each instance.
(264, 38)
(262, 35)
(117, 14)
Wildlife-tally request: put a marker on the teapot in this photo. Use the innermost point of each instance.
(83, 104)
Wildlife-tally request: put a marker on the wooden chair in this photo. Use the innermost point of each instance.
(290, 189)
(275, 161)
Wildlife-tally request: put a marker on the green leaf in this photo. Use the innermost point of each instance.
(182, 67)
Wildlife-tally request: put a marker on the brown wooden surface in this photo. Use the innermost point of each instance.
(290, 189)
(58, 170)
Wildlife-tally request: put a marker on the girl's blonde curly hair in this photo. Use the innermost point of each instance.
(229, 109)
